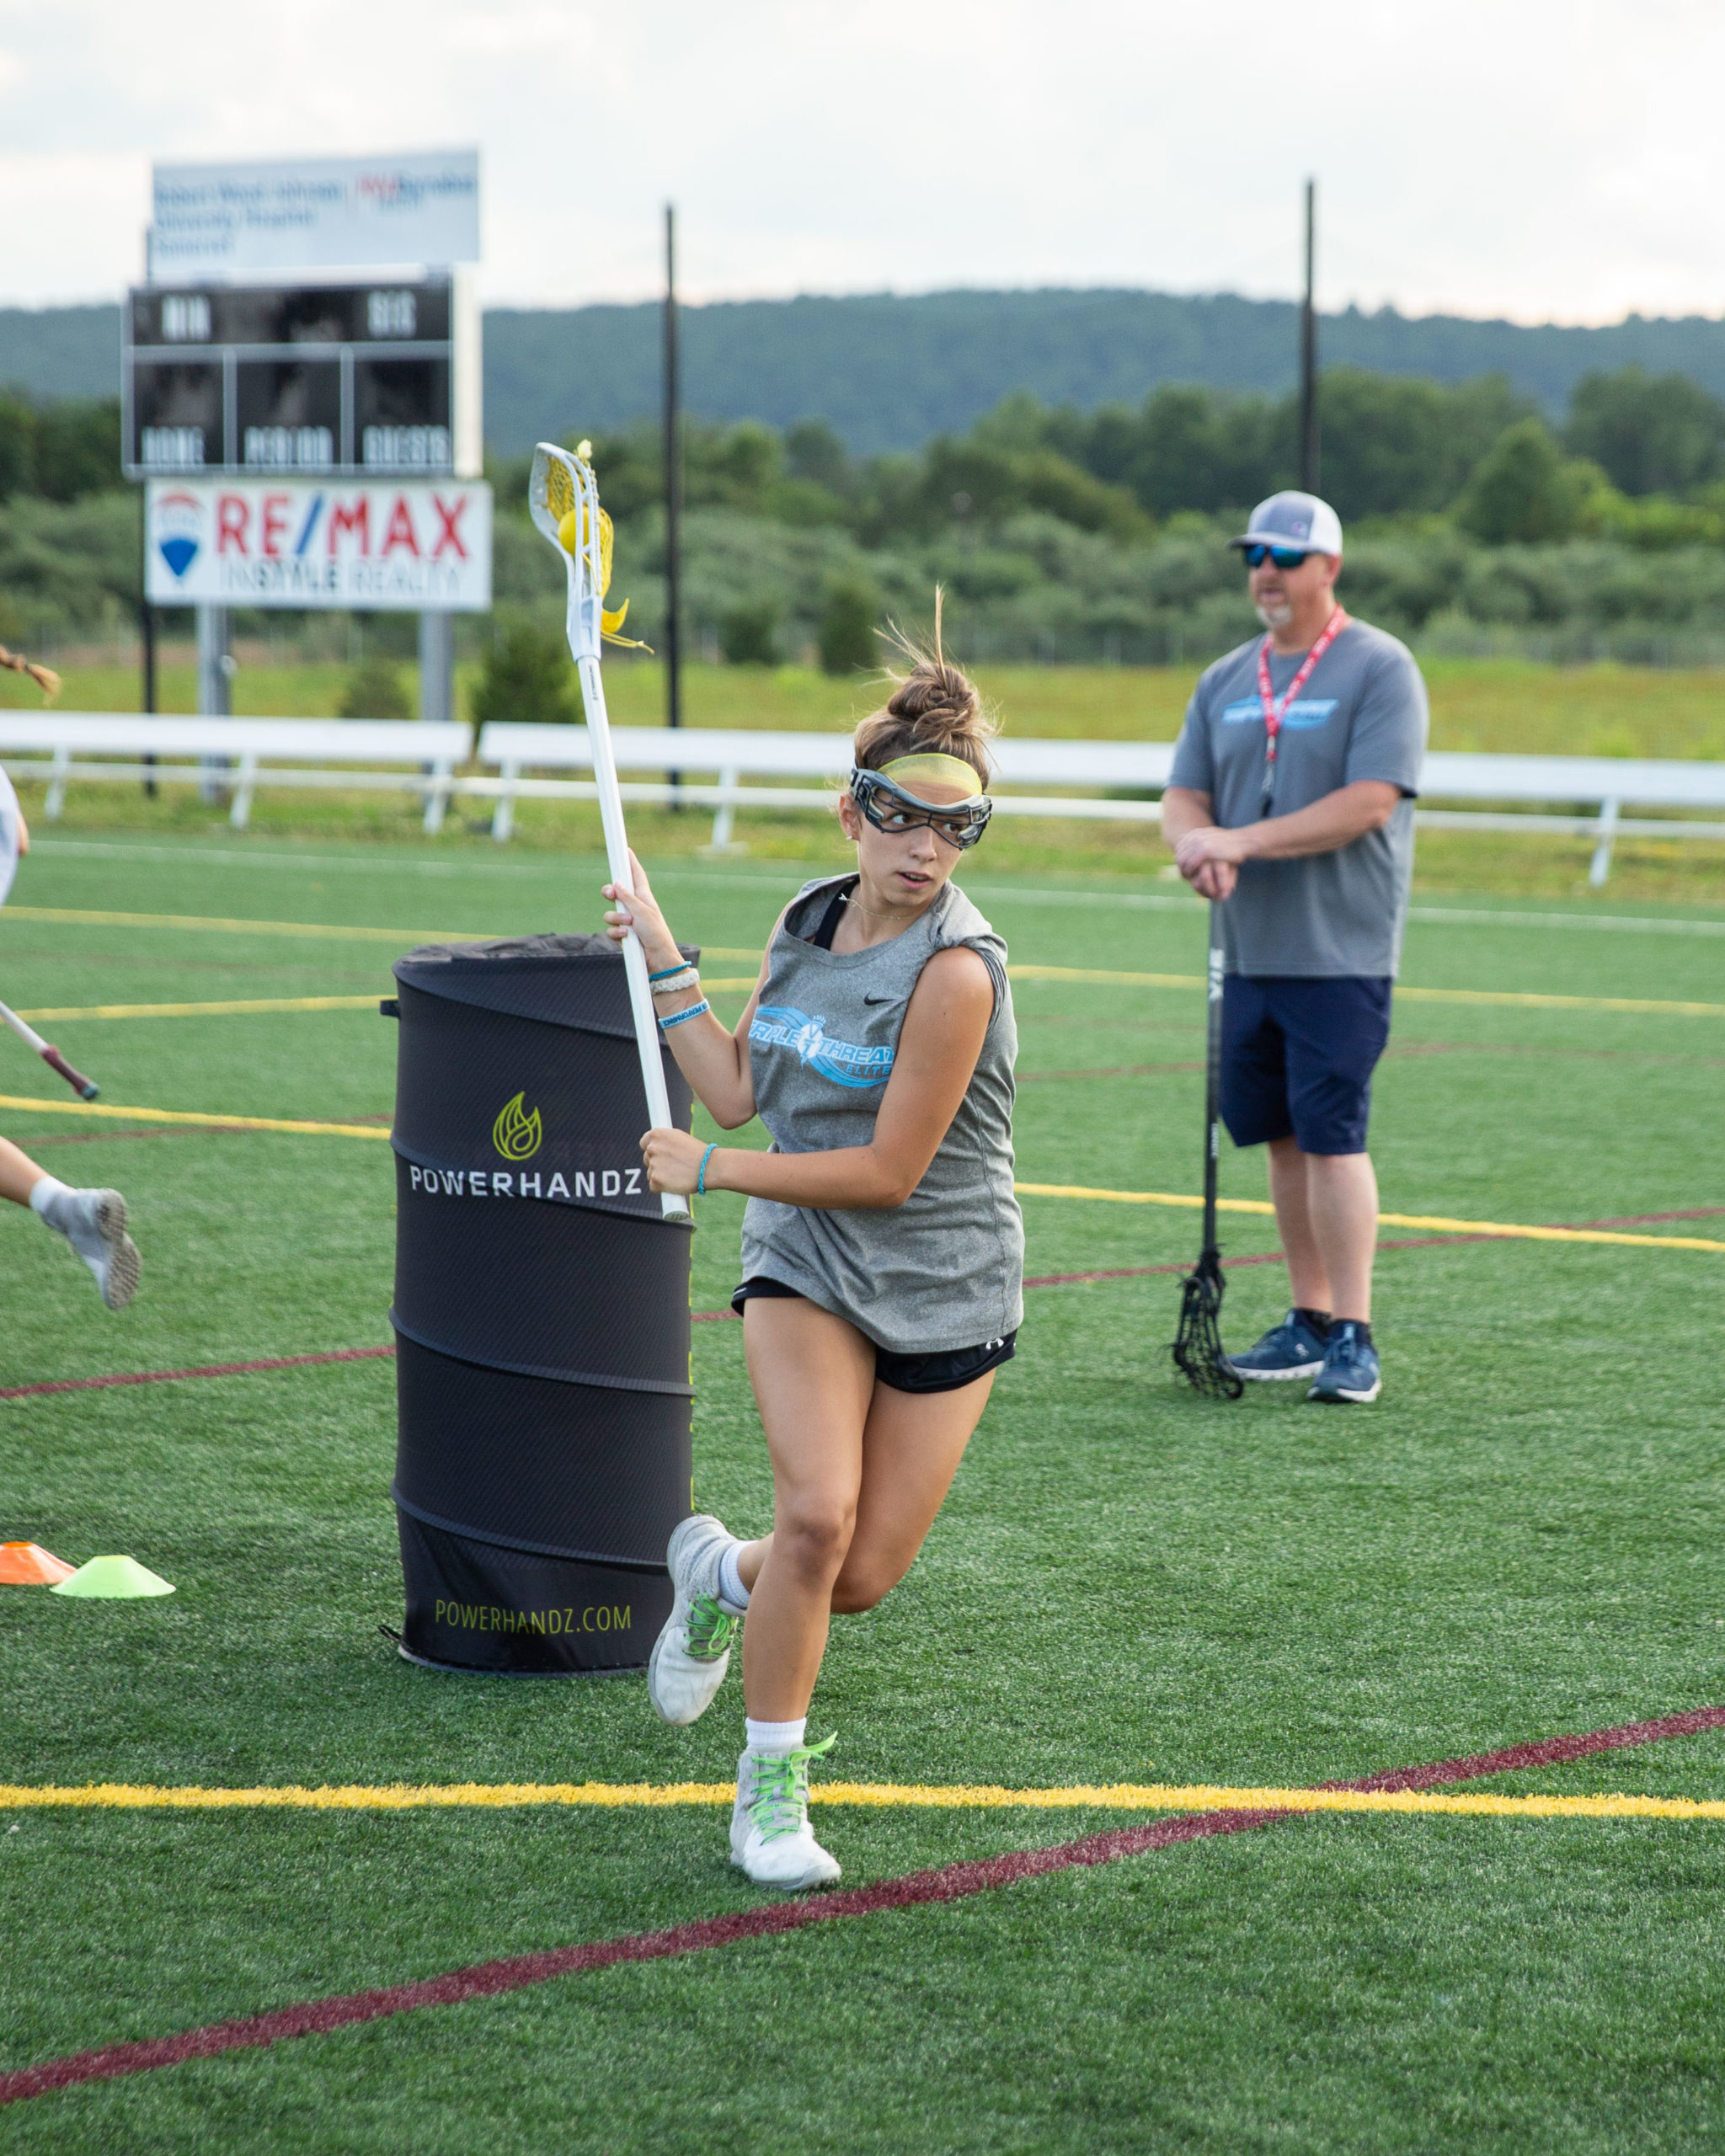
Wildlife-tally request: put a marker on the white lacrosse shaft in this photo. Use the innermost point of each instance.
(86, 1088)
(583, 623)
(26, 1034)
(617, 855)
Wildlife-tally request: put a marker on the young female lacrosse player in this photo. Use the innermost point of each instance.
(882, 1249)
(92, 1221)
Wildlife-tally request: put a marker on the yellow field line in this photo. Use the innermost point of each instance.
(1512, 1231)
(181, 1115)
(1109, 979)
(93, 917)
(1519, 998)
(1115, 1796)
(1514, 998)
(247, 1006)
(220, 924)
(231, 1010)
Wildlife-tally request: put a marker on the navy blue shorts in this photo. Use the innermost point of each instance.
(1297, 1059)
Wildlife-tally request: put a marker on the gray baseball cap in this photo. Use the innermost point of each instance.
(1294, 520)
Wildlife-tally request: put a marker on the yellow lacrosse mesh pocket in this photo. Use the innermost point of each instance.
(572, 538)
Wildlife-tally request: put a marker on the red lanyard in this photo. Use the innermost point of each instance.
(1274, 712)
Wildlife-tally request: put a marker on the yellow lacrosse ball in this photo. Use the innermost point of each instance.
(568, 531)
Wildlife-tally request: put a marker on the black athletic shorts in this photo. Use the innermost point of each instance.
(944, 1373)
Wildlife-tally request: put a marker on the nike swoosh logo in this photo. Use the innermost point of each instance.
(880, 999)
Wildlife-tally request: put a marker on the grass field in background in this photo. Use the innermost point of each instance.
(1526, 1535)
(1476, 704)
(1506, 704)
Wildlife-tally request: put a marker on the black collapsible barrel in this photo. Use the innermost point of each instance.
(541, 1314)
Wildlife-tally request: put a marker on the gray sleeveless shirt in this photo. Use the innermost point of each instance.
(944, 1270)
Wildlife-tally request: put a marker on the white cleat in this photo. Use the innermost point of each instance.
(94, 1222)
(771, 1837)
(693, 1650)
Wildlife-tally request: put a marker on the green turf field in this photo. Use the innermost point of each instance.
(1524, 1538)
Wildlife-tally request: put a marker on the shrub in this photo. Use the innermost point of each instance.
(527, 675)
(376, 690)
(846, 633)
(748, 633)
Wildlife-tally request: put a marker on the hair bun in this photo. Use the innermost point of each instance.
(935, 705)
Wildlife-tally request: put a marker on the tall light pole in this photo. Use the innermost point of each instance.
(673, 490)
(1308, 353)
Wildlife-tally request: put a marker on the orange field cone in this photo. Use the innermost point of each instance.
(27, 1564)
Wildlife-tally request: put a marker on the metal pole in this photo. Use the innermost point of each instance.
(146, 651)
(147, 627)
(673, 493)
(1308, 355)
(215, 696)
(437, 668)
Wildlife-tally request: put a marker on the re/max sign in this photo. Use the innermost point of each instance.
(405, 545)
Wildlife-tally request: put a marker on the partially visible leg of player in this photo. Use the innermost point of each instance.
(860, 1469)
(92, 1221)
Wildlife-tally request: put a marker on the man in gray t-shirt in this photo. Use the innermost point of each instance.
(1290, 805)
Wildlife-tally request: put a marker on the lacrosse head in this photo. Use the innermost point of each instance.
(563, 499)
(1198, 1344)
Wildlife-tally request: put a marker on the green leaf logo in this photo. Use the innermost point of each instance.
(517, 1134)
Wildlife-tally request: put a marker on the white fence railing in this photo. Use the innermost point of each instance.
(1585, 796)
(241, 753)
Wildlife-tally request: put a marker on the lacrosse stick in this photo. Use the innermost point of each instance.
(50, 1054)
(1198, 1344)
(563, 498)
(45, 679)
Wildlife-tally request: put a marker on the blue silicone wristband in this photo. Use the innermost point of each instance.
(700, 1175)
(682, 1017)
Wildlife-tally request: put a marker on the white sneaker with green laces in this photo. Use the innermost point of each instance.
(771, 1837)
(693, 1650)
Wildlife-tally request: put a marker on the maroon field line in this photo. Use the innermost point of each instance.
(946, 1883)
(200, 1370)
(715, 1317)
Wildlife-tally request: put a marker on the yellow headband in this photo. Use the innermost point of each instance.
(945, 771)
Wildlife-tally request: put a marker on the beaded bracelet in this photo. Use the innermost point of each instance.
(687, 980)
(701, 1174)
(682, 1017)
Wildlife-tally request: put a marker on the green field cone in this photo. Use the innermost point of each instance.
(115, 1579)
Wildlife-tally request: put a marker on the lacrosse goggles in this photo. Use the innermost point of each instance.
(886, 800)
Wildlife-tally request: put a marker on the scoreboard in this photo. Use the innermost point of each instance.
(358, 379)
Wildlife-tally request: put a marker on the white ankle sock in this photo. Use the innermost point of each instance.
(732, 1595)
(47, 1198)
(774, 1737)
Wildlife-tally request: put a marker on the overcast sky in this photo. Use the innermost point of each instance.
(1542, 159)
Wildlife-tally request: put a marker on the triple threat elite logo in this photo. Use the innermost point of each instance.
(517, 1134)
(781, 1024)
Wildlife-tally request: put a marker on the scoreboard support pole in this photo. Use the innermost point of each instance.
(215, 689)
(437, 668)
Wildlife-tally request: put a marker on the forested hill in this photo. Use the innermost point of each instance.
(889, 373)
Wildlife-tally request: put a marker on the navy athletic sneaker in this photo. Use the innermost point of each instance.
(1291, 1349)
(1350, 1370)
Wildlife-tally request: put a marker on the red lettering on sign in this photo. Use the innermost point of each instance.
(401, 530)
(356, 519)
(447, 519)
(273, 517)
(232, 514)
